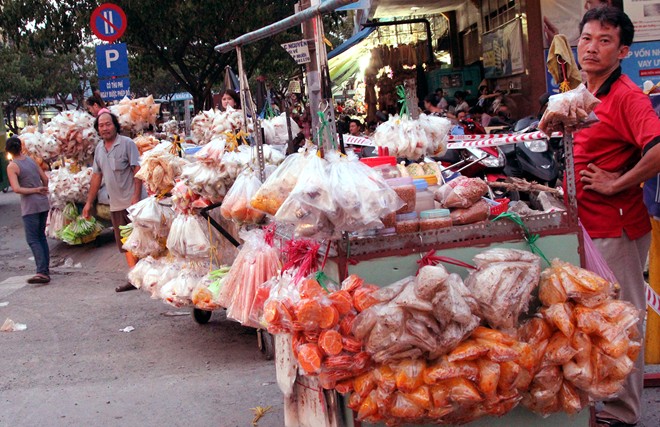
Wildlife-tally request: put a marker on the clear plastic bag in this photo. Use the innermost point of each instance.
(143, 243)
(236, 204)
(503, 288)
(475, 213)
(275, 190)
(188, 237)
(361, 196)
(461, 192)
(204, 180)
(569, 110)
(150, 213)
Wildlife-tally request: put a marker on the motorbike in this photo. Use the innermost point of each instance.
(531, 160)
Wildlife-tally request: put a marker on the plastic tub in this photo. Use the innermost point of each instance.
(405, 189)
(424, 199)
(407, 223)
(387, 171)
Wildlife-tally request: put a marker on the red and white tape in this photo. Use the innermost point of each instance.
(652, 299)
(358, 140)
(465, 141)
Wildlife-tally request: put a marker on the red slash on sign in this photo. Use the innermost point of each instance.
(108, 22)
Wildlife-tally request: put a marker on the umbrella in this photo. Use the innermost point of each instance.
(231, 81)
(561, 64)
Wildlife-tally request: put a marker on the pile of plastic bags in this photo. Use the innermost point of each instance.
(323, 198)
(151, 225)
(209, 124)
(39, 146)
(75, 133)
(159, 167)
(413, 139)
(136, 115)
(67, 185)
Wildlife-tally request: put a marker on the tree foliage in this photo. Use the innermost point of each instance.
(163, 35)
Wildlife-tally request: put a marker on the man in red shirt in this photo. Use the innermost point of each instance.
(612, 158)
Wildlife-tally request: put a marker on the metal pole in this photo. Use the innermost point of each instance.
(284, 24)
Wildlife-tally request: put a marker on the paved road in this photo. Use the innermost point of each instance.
(73, 366)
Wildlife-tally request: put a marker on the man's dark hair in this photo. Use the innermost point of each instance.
(459, 94)
(433, 99)
(477, 109)
(613, 16)
(356, 121)
(14, 146)
(115, 122)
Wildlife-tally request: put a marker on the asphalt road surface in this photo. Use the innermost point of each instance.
(74, 367)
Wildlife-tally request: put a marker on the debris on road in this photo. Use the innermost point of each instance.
(11, 326)
(175, 313)
(127, 329)
(259, 412)
(4, 304)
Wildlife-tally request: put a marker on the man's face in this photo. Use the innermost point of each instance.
(461, 115)
(107, 129)
(599, 49)
(353, 128)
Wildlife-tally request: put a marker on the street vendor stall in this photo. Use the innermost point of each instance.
(390, 309)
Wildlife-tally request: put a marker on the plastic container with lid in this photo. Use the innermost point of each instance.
(407, 223)
(378, 161)
(405, 189)
(434, 219)
(387, 171)
(424, 199)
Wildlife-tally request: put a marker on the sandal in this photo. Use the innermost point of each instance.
(124, 288)
(39, 278)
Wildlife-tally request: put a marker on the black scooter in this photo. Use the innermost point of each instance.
(531, 160)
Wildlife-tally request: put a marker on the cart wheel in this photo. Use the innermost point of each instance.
(4, 190)
(201, 316)
(267, 344)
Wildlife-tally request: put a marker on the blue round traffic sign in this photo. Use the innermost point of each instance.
(108, 22)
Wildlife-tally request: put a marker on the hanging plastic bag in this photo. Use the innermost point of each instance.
(236, 204)
(189, 237)
(279, 185)
(361, 196)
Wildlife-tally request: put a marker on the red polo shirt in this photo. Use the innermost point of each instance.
(628, 126)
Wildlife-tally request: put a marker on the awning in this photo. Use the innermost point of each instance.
(355, 39)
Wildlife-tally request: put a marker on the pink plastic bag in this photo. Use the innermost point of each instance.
(594, 260)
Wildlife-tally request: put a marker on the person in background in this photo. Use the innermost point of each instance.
(612, 158)
(95, 103)
(442, 101)
(116, 161)
(230, 99)
(502, 117)
(485, 97)
(355, 127)
(461, 103)
(432, 105)
(479, 115)
(31, 182)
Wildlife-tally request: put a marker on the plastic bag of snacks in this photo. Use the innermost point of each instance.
(426, 316)
(178, 291)
(256, 263)
(569, 109)
(39, 145)
(213, 151)
(236, 204)
(503, 284)
(143, 243)
(75, 133)
(310, 202)
(159, 167)
(206, 293)
(276, 132)
(361, 196)
(481, 377)
(461, 192)
(137, 114)
(149, 213)
(204, 180)
(585, 342)
(145, 143)
(189, 237)
(275, 190)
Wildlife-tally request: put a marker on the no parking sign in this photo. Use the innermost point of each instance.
(108, 22)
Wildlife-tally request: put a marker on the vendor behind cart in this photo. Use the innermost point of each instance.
(116, 160)
(612, 158)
